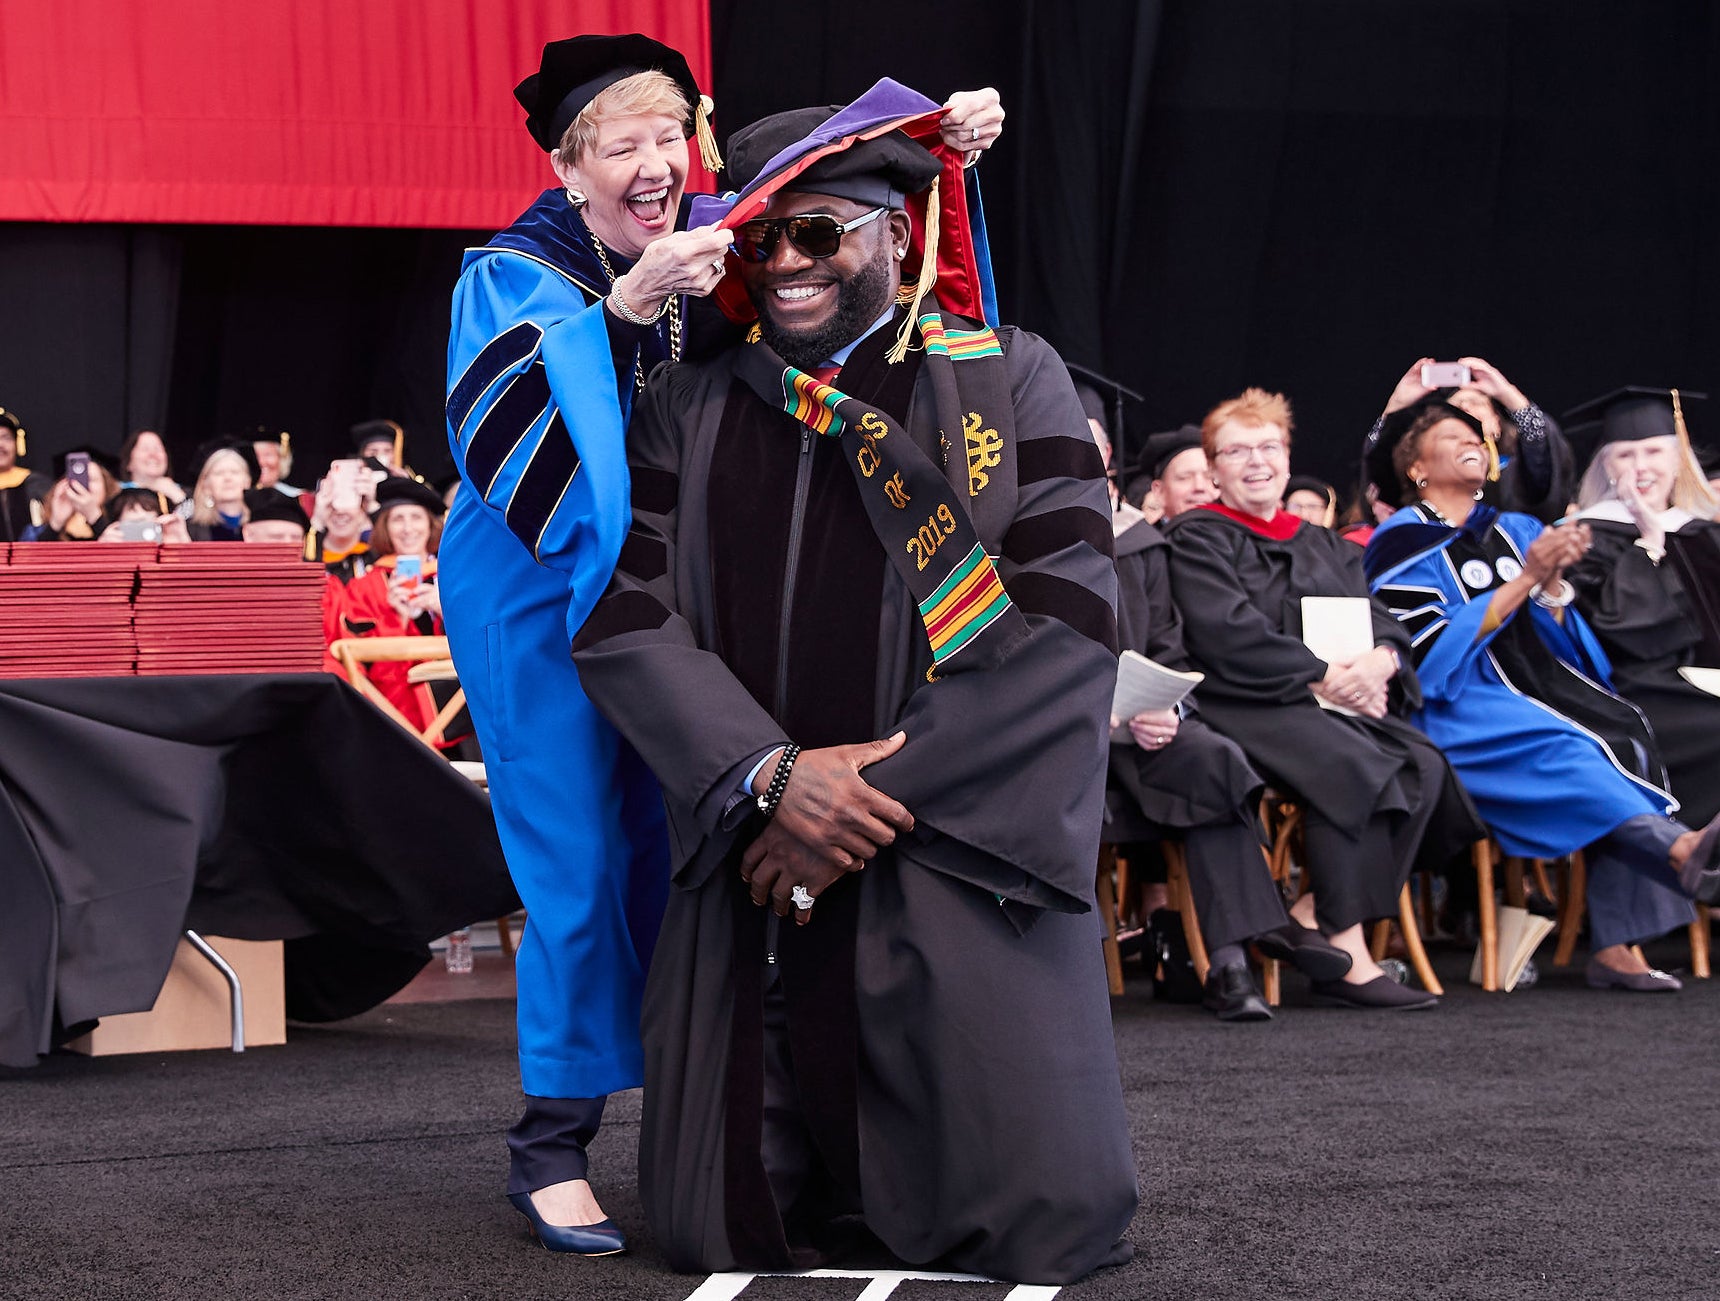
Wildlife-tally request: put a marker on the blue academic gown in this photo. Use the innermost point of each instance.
(1543, 783)
(536, 420)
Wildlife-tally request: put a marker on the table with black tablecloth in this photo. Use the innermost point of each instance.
(253, 806)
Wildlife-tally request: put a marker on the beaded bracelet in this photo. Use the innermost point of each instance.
(626, 313)
(779, 780)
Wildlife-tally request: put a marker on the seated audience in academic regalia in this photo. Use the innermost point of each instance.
(22, 491)
(1529, 462)
(1378, 799)
(223, 472)
(340, 522)
(72, 511)
(1516, 692)
(143, 460)
(1650, 583)
(387, 602)
(274, 453)
(138, 514)
(1172, 777)
(1312, 500)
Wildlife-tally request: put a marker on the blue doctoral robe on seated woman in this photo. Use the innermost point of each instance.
(1545, 783)
(539, 393)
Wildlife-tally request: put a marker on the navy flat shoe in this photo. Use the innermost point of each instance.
(600, 1239)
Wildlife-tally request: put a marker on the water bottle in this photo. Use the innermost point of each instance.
(459, 954)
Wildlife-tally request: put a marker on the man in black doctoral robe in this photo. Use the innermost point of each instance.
(915, 550)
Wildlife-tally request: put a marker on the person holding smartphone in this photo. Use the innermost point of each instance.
(1529, 462)
(83, 483)
(397, 595)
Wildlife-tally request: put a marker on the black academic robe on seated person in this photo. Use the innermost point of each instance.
(1647, 622)
(946, 1008)
(1198, 789)
(1239, 592)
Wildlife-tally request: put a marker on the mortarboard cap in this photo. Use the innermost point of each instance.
(1377, 453)
(367, 432)
(1101, 397)
(1308, 483)
(267, 504)
(878, 172)
(1161, 449)
(398, 491)
(1627, 415)
(573, 72)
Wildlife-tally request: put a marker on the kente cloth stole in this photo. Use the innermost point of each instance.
(919, 516)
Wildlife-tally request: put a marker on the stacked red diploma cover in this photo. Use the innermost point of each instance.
(109, 609)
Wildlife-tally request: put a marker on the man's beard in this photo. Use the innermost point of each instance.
(860, 300)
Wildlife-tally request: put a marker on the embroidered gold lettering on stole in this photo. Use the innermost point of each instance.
(984, 452)
(897, 491)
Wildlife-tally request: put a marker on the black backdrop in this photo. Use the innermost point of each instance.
(1190, 196)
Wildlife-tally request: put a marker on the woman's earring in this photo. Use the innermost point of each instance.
(1478, 494)
(577, 199)
(1421, 483)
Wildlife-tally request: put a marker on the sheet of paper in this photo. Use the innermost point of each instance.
(1702, 679)
(1144, 684)
(1338, 628)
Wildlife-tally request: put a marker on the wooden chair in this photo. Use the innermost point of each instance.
(1283, 818)
(1573, 903)
(1112, 885)
(431, 662)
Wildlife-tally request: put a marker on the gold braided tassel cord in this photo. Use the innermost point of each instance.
(708, 153)
(928, 275)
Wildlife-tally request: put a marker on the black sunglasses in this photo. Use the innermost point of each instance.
(815, 234)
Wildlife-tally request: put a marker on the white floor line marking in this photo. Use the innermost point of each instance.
(722, 1287)
(879, 1283)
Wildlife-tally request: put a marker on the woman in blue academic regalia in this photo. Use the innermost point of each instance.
(1517, 692)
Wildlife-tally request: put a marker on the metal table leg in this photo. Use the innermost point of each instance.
(220, 964)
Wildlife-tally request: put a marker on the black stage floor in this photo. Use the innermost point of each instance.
(1556, 1143)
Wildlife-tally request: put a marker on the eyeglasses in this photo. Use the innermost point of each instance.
(1239, 453)
(816, 234)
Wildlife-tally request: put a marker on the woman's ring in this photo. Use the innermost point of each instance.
(801, 898)
(717, 266)
(973, 133)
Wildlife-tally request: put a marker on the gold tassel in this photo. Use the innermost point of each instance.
(286, 443)
(1677, 424)
(928, 274)
(708, 154)
(1492, 457)
(399, 447)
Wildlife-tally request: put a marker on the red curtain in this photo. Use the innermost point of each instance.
(290, 112)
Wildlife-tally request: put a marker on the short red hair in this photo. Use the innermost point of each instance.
(1253, 406)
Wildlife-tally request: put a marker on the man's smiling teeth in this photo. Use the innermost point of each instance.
(796, 293)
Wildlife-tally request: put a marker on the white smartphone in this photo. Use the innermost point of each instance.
(1444, 374)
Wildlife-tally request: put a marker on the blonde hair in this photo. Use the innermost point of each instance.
(644, 94)
(201, 514)
(1690, 490)
(1252, 406)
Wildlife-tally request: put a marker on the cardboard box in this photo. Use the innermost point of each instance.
(194, 1007)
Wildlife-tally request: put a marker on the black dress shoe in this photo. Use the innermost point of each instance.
(1307, 950)
(1173, 969)
(1381, 993)
(1230, 995)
